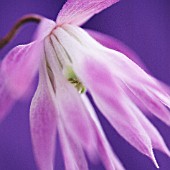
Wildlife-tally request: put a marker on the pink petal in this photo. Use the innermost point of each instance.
(130, 72)
(147, 89)
(162, 94)
(117, 45)
(75, 115)
(108, 157)
(115, 106)
(156, 138)
(19, 67)
(74, 157)
(21, 63)
(79, 11)
(43, 121)
(45, 27)
(151, 102)
(13, 69)
(15, 76)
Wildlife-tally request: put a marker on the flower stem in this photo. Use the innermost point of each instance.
(25, 19)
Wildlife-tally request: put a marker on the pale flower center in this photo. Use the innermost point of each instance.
(59, 63)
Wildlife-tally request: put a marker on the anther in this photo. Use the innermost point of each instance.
(74, 80)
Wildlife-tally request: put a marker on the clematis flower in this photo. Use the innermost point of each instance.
(70, 62)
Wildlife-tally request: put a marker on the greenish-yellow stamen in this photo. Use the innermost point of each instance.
(74, 80)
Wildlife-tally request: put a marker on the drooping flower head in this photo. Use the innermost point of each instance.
(70, 62)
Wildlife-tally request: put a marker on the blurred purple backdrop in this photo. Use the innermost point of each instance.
(142, 25)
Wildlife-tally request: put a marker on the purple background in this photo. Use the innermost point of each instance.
(143, 25)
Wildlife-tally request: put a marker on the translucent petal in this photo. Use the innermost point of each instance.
(74, 157)
(117, 45)
(106, 154)
(75, 116)
(17, 71)
(79, 11)
(19, 67)
(110, 99)
(151, 102)
(155, 136)
(43, 122)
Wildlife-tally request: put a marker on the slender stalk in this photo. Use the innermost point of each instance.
(25, 19)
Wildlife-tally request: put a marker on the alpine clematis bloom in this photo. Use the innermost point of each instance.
(70, 62)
